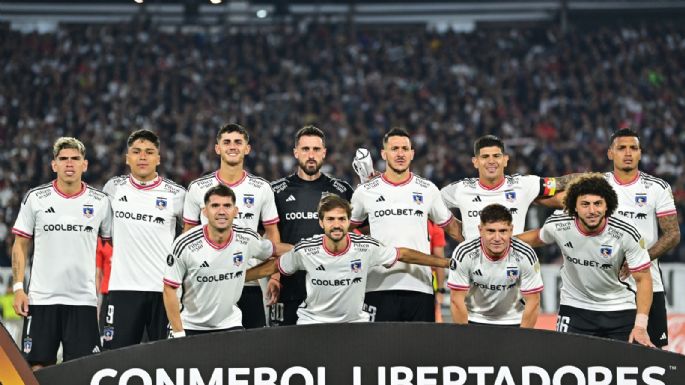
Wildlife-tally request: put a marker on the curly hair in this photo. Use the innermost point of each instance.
(590, 184)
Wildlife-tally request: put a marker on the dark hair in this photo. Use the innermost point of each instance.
(487, 141)
(396, 131)
(143, 135)
(309, 131)
(495, 213)
(590, 184)
(332, 201)
(220, 190)
(232, 127)
(622, 133)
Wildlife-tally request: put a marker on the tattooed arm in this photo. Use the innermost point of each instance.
(669, 238)
(557, 201)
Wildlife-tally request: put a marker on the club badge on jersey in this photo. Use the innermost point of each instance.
(108, 333)
(356, 265)
(510, 196)
(418, 198)
(238, 258)
(88, 211)
(640, 199)
(161, 203)
(248, 201)
(28, 345)
(512, 273)
(605, 251)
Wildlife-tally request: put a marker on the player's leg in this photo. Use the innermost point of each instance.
(416, 306)
(658, 320)
(80, 334)
(157, 325)
(383, 306)
(251, 305)
(41, 335)
(124, 319)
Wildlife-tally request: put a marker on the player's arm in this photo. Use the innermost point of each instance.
(173, 310)
(418, 258)
(554, 191)
(273, 287)
(460, 314)
(643, 279)
(454, 230)
(20, 251)
(531, 237)
(670, 236)
(531, 310)
(262, 270)
(187, 226)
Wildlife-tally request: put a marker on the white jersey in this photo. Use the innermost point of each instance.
(398, 216)
(144, 223)
(64, 231)
(335, 281)
(213, 275)
(592, 262)
(254, 199)
(641, 202)
(516, 192)
(495, 286)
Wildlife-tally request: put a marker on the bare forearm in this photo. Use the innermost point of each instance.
(281, 248)
(564, 180)
(643, 279)
(419, 258)
(187, 226)
(669, 238)
(454, 230)
(531, 237)
(19, 251)
(173, 308)
(530, 311)
(262, 270)
(460, 314)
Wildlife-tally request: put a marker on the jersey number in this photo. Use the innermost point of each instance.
(562, 323)
(371, 310)
(276, 312)
(110, 314)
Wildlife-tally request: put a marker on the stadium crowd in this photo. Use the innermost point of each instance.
(554, 98)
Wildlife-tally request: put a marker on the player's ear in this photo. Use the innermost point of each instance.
(54, 165)
(383, 154)
(85, 165)
(217, 149)
(610, 154)
(247, 149)
(474, 160)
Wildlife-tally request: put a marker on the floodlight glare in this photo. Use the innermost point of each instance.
(262, 13)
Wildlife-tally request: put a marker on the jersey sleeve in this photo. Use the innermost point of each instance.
(269, 214)
(547, 233)
(179, 201)
(109, 189)
(26, 220)
(359, 213)
(289, 263)
(439, 213)
(636, 256)
(531, 279)
(383, 256)
(532, 186)
(449, 195)
(106, 223)
(459, 277)
(176, 268)
(261, 249)
(191, 206)
(348, 192)
(665, 205)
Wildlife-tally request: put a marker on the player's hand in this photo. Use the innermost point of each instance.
(640, 336)
(273, 291)
(625, 272)
(21, 303)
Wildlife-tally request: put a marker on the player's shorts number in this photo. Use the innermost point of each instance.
(110, 314)
(276, 312)
(562, 323)
(371, 310)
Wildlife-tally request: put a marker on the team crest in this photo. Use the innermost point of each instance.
(418, 198)
(356, 265)
(512, 273)
(605, 251)
(28, 344)
(641, 199)
(88, 211)
(248, 201)
(108, 333)
(170, 260)
(161, 203)
(510, 196)
(238, 258)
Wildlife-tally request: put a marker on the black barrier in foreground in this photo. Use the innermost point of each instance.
(376, 354)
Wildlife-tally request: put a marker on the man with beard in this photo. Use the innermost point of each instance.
(594, 244)
(254, 200)
(337, 264)
(297, 197)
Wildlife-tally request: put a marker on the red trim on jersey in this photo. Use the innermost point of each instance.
(20, 233)
(171, 283)
(458, 287)
(666, 213)
(331, 253)
(63, 195)
(493, 259)
(214, 244)
(106, 238)
(447, 222)
(280, 269)
(402, 183)
(356, 222)
(190, 221)
(242, 178)
(592, 234)
(150, 186)
(641, 267)
(271, 221)
(500, 184)
(397, 258)
(637, 176)
(533, 291)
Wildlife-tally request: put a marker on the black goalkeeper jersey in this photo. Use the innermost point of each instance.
(297, 201)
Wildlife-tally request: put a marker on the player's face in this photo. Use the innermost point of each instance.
(220, 212)
(143, 158)
(310, 153)
(69, 165)
(490, 163)
(625, 152)
(232, 148)
(335, 224)
(496, 237)
(591, 210)
(397, 152)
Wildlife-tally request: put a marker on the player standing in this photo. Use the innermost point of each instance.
(297, 197)
(146, 212)
(647, 202)
(255, 201)
(398, 205)
(63, 218)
